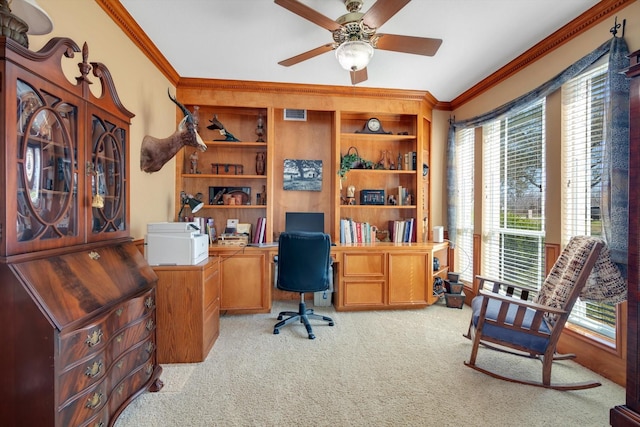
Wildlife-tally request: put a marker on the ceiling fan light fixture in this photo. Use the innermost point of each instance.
(354, 55)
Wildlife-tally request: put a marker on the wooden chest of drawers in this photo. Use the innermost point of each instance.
(81, 336)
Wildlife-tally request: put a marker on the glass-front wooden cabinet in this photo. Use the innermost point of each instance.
(78, 295)
(65, 179)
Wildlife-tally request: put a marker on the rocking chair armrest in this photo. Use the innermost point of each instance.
(500, 284)
(522, 303)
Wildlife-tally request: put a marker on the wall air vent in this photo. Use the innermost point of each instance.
(293, 114)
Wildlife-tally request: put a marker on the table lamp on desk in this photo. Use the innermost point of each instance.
(194, 203)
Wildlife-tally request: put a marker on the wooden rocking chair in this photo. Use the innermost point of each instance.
(504, 320)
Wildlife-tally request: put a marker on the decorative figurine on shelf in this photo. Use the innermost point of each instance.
(399, 161)
(260, 129)
(196, 116)
(217, 125)
(260, 162)
(351, 195)
(193, 159)
(382, 163)
(264, 194)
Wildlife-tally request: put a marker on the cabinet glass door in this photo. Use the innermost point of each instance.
(47, 199)
(108, 180)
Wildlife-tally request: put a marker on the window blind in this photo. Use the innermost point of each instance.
(514, 197)
(583, 121)
(465, 141)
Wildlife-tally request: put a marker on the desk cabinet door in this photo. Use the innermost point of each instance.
(243, 287)
(408, 278)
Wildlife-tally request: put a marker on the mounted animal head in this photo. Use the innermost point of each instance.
(155, 152)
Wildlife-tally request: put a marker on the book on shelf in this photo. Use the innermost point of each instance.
(402, 231)
(258, 234)
(355, 232)
(263, 227)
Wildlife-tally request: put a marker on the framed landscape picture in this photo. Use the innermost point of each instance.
(302, 175)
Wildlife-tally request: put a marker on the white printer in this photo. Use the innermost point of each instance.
(175, 243)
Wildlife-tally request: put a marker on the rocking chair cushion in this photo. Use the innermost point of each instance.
(521, 339)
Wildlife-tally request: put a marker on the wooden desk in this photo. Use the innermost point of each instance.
(369, 277)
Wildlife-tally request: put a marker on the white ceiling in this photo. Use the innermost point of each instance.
(245, 40)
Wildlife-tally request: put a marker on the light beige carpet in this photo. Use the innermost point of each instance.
(376, 368)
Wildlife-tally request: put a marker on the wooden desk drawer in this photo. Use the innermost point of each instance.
(364, 264)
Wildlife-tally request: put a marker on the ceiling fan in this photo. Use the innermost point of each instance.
(355, 36)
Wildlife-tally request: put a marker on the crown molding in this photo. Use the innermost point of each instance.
(305, 89)
(601, 11)
(130, 27)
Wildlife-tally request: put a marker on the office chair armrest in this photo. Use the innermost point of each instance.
(508, 288)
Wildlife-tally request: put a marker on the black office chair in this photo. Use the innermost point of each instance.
(303, 264)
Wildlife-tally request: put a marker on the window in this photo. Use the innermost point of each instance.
(583, 119)
(514, 197)
(464, 203)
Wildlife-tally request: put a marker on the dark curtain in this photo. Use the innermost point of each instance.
(615, 195)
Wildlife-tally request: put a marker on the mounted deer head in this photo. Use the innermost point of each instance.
(155, 152)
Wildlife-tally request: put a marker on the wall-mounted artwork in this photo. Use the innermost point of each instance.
(302, 175)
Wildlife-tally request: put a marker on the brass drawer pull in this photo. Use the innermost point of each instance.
(149, 303)
(150, 325)
(94, 369)
(94, 401)
(150, 347)
(119, 311)
(94, 338)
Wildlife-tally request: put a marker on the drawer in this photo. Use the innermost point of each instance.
(131, 384)
(211, 288)
(211, 329)
(130, 335)
(99, 420)
(368, 293)
(85, 406)
(82, 375)
(83, 342)
(363, 265)
(132, 310)
(131, 360)
(94, 337)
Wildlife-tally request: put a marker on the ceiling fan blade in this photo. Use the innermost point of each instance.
(408, 44)
(307, 55)
(382, 11)
(310, 14)
(358, 76)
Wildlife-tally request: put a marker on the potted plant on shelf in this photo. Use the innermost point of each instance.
(352, 160)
